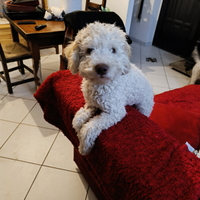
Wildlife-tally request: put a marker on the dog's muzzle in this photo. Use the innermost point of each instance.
(101, 69)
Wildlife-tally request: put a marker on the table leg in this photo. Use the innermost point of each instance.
(36, 62)
(14, 33)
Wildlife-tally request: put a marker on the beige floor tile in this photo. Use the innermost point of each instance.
(3, 88)
(177, 82)
(153, 69)
(157, 80)
(135, 58)
(15, 109)
(172, 73)
(156, 56)
(7, 129)
(149, 50)
(2, 96)
(25, 90)
(47, 51)
(29, 144)
(61, 154)
(54, 184)
(35, 118)
(16, 179)
(46, 73)
(51, 63)
(159, 90)
(168, 58)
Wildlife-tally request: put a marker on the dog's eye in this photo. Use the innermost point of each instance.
(113, 50)
(89, 51)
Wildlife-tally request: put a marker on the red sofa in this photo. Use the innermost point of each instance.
(138, 158)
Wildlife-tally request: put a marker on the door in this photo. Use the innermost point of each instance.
(178, 26)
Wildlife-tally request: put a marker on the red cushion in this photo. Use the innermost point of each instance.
(187, 98)
(182, 124)
(135, 159)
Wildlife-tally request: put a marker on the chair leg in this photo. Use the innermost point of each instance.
(21, 65)
(7, 78)
(57, 49)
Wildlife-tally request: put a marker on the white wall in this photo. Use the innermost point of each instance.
(143, 31)
(57, 3)
(123, 8)
(67, 6)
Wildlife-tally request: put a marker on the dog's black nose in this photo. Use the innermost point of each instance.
(101, 69)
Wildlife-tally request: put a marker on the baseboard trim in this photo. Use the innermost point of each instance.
(141, 42)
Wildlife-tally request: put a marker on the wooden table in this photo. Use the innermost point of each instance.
(53, 34)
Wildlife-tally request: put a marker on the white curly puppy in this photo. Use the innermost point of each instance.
(101, 55)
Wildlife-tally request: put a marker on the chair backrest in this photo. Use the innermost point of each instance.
(79, 19)
(94, 6)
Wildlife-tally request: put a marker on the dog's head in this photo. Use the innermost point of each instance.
(99, 53)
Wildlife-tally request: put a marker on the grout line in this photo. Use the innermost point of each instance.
(55, 129)
(10, 135)
(4, 94)
(32, 163)
(9, 121)
(33, 182)
(87, 192)
(164, 69)
(49, 69)
(29, 112)
(22, 161)
(50, 148)
(160, 87)
(19, 123)
(67, 170)
(32, 125)
(41, 167)
(11, 95)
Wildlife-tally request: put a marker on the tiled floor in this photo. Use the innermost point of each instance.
(36, 160)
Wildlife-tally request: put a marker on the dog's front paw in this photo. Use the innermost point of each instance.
(76, 123)
(79, 120)
(87, 137)
(82, 117)
(83, 149)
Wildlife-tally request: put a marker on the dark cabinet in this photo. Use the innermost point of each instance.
(178, 26)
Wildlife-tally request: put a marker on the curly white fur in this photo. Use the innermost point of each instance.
(101, 55)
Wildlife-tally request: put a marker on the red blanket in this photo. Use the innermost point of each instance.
(135, 159)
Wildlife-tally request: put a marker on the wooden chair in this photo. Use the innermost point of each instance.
(11, 53)
(94, 6)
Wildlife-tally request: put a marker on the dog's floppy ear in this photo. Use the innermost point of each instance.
(126, 69)
(72, 55)
(127, 65)
(127, 48)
